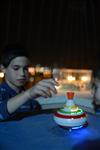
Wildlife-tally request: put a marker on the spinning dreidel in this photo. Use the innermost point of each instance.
(71, 116)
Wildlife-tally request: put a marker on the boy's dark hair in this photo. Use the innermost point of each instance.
(12, 51)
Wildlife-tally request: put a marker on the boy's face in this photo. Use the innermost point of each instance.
(17, 71)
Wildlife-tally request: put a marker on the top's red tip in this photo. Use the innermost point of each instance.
(70, 95)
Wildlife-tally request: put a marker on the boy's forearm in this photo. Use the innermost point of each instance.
(14, 103)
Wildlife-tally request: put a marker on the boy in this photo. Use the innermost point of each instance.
(13, 97)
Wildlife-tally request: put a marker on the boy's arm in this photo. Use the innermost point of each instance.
(15, 102)
(43, 88)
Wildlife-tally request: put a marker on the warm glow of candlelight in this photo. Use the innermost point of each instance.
(70, 78)
(47, 73)
(31, 70)
(1, 75)
(84, 78)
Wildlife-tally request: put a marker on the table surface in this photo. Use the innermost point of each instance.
(40, 132)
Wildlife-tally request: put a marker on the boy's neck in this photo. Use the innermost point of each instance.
(17, 89)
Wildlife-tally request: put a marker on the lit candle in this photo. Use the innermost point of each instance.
(47, 73)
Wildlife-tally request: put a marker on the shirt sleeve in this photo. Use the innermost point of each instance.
(4, 114)
(3, 110)
(35, 105)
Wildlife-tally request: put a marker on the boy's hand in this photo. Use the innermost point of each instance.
(45, 88)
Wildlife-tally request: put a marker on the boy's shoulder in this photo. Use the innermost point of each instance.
(3, 86)
(6, 92)
(3, 92)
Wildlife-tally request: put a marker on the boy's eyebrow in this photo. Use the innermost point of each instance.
(19, 66)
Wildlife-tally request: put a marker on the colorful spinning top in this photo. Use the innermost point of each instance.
(71, 116)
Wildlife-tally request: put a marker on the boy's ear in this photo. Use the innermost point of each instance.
(2, 68)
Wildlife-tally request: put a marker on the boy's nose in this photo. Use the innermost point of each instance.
(22, 73)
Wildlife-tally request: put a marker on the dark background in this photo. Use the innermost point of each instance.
(63, 32)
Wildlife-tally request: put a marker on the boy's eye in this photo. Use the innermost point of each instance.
(23, 69)
(15, 68)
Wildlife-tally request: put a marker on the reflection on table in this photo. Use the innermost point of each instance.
(39, 131)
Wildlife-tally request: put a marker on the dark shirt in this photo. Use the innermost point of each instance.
(6, 93)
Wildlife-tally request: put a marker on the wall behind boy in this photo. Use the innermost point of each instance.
(65, 32)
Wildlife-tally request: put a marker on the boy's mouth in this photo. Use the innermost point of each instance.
(21, 80)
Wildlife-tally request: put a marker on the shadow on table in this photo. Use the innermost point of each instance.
(88, 145)
(22, 115)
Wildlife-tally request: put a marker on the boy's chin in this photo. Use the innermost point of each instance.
(20, 85)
